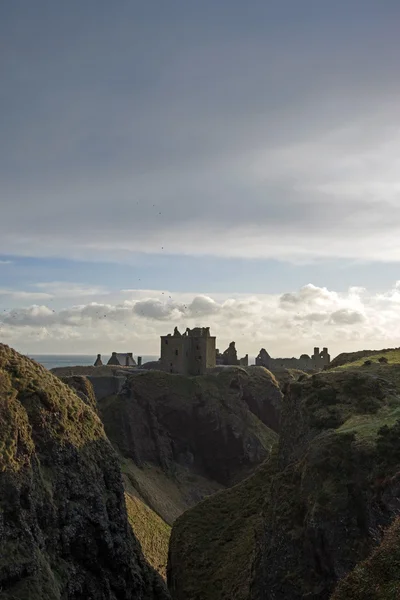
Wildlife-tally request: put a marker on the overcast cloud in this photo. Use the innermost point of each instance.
(255, 130)
(137, 136)
(135, 320)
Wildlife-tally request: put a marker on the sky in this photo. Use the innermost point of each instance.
(228, 164)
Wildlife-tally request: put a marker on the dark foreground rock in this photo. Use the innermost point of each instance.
(313, 511)
(64, 533)
(216, 426)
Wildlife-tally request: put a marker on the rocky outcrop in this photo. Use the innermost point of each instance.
(82, 388)
(377, 578)
(216, 428)
(63, 523)
(313, 511)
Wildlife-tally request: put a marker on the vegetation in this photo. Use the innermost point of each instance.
(213, 545)
(151, 531)
(33, 399)
(378, 577)
(63, 519)
(338, 452)
(358, 358)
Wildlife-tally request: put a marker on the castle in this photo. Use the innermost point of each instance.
(190, 353)
(318, 360)
(194, 353)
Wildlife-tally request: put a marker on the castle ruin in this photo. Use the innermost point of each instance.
(190, 353)
(305, 363)
(229, 357)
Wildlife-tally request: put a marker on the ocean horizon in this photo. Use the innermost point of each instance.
(51, 361)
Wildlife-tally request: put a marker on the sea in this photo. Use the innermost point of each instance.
(50, 361)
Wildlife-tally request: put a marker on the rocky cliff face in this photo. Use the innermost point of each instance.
(378, 577)
(201, 424)
(314, 510)
(63, 524)
(82, 388)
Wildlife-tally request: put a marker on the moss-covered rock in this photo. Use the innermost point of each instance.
(195, 429)
(82, 388)
(316, 509)
(64, 529)
(378, 577)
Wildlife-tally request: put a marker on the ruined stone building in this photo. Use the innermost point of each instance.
(229, 357)
(118, 359)
(305, 363)
(190, 353)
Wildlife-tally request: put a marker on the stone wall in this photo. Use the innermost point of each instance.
(191, 353)
(305, 363)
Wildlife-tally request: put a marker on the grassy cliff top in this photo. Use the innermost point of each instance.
(351, 397)
(378, 577)
(91, 371)
(358, 358)
(340, 436)
(36, 408)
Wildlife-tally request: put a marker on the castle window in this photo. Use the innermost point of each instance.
(197, 348)
(166, 341)
(176, 352)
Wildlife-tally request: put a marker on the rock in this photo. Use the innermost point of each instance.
(63, 523)
(314, 510)
(378, 577)
(195, 434)
(83, 388)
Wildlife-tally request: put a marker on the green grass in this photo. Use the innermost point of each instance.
(151, 531)
(340, 439)
(392, 356)
(213, 546)
(167, 496)
(377, 578)
(37, 406)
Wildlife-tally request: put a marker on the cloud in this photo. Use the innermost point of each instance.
(66, 289)
(241, 142)
(287, 324)
(345, 316)
(24, 295)
(6, 262)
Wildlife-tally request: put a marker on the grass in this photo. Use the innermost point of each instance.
(151, 531)
(166, 496)
(357, 359)
(340, 443)
(378, 577)
(36, 409)
(213, 546)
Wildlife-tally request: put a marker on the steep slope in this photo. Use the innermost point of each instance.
(313, 511)
(357, 358)
(82, 388)
(63, 523)
(183, 438)
(377, 578)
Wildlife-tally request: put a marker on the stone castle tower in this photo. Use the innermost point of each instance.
(190, 353)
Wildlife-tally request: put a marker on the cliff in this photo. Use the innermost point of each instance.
(183, 438)
(314, 510)
(63, 523)
(378, 577)
(82, 388)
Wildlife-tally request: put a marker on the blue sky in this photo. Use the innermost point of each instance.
(198, 148)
